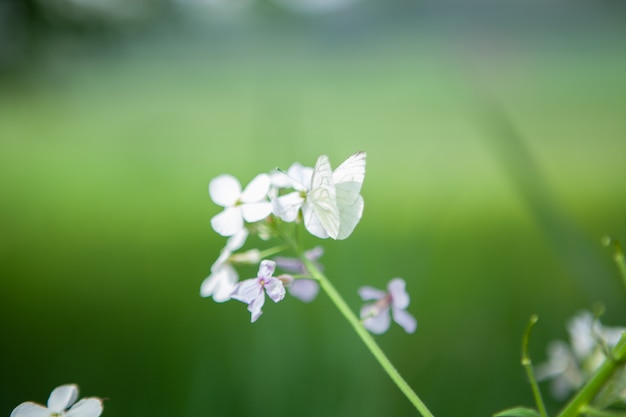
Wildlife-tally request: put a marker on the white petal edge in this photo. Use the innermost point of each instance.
(287, 206)
(404, 319)
(275, 289)
(255, 307)
(300, 176)
(87, 407)
(225, 190)
(257, 189)
(370, 293)
(247, 291)
(62, 397)
(253, 212)
(220, 284)
(266, 269)
(400, 298)
(30, 409)
(237, 240)
(228, 222)
(304, 289)
(378, 323)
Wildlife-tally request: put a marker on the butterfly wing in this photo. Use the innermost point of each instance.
(349, 217)
(348, 179)
(320, 212)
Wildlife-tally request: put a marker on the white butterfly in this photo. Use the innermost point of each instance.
(330, 201)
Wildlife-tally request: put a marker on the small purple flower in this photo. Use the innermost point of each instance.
(376, 316)
(251, 291)
(303, 289)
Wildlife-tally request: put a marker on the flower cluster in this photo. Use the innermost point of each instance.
(61, 403)
(329, 205)
(328, 202)
(569, 366)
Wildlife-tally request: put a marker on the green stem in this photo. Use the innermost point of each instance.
(272, 251)
(594, 412)
(366, 337)
(528, 366)
(580, 403)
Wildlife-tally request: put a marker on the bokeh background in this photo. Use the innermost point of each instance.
(496, 140)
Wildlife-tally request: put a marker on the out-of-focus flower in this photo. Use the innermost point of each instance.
(221, 282)
(250, 205)
(562, 368)
(60, 400)
(252, 291)
(376, 317)
(570, 366)
(304, 289)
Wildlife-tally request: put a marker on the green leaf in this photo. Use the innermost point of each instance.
(518, 412)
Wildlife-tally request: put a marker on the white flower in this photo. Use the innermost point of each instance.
(250, 205)
(297, 177)
(569, 367)
(562, 368)
(252, 291)
(221, 282)
(376, 316)
(60, 400)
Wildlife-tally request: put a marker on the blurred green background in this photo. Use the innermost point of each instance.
(496, 140)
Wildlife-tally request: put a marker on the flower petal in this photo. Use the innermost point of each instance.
(87, 407)
(404, 319)
(581, 331)
(280, 179)
(228, 222)
(287, 206)
(247, 291)
(220, 284)
(225, 190)
(304, 289)
(253, 212)
(266, 269)
(370, 293)
(275, 289)
(255, 307)
(237, 240)
(314, 254)
(293, 265)
(301, 176)
(257, 189)
(377, 323)
(62, 397)
(30, 409)
(399, 297)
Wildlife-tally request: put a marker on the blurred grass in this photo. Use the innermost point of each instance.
(104, 165)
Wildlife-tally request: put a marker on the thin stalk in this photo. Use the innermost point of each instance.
(528, 366)
(580, 403)
(594, 412)
(366, 337)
